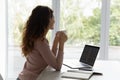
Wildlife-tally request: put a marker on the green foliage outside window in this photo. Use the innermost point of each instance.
(80, 28)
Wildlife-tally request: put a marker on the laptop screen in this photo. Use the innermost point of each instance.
(89, 54)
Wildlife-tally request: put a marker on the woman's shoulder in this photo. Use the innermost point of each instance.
(41, 42)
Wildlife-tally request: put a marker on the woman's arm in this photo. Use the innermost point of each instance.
(55, 44)
(62, 40)
(60, 56)
(48, 55)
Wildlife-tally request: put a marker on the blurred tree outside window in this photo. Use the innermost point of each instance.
(114, 31)
(81, 19)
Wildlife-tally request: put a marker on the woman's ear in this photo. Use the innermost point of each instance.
(51, 23)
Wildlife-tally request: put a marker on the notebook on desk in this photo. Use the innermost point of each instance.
(79, 74)
(87, 58)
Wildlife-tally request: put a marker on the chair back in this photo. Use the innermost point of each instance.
(1, 77)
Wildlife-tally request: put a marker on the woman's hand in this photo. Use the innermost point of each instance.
(62, 36)
(58, 34)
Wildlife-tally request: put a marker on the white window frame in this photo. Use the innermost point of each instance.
(105, 23)
(56, 9)
(3, 38)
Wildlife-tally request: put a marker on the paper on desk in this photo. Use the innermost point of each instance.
(77, 75)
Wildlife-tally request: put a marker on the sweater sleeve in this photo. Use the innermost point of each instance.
(49, 57)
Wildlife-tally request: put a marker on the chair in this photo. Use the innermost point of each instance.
(1, 77)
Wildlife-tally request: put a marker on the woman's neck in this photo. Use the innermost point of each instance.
(45, 33)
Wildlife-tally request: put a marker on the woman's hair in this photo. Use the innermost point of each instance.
(35, 27)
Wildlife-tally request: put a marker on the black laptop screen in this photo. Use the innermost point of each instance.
(89, 54)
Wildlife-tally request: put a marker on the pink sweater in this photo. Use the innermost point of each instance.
(40, 57)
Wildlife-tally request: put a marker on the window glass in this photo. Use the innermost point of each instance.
(114, 31)
(81, 20)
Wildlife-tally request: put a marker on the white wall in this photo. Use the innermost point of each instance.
(3, 38)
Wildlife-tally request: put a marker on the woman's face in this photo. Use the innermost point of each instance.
(51, 24)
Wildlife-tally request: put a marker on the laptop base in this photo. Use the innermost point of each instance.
(80, 68)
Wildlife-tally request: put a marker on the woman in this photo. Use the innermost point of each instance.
(35, 46)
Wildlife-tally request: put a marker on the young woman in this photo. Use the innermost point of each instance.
(35, 46)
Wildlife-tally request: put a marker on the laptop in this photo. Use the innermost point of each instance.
(87, 58)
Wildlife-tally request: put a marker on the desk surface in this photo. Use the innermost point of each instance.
(110, 70)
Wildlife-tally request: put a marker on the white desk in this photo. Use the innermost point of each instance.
(110, 70)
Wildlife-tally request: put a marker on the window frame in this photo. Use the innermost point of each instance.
(105, 23)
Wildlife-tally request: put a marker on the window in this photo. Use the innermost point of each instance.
(81, 19)
(114, 31)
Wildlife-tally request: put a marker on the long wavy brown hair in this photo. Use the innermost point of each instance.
(35, 27)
